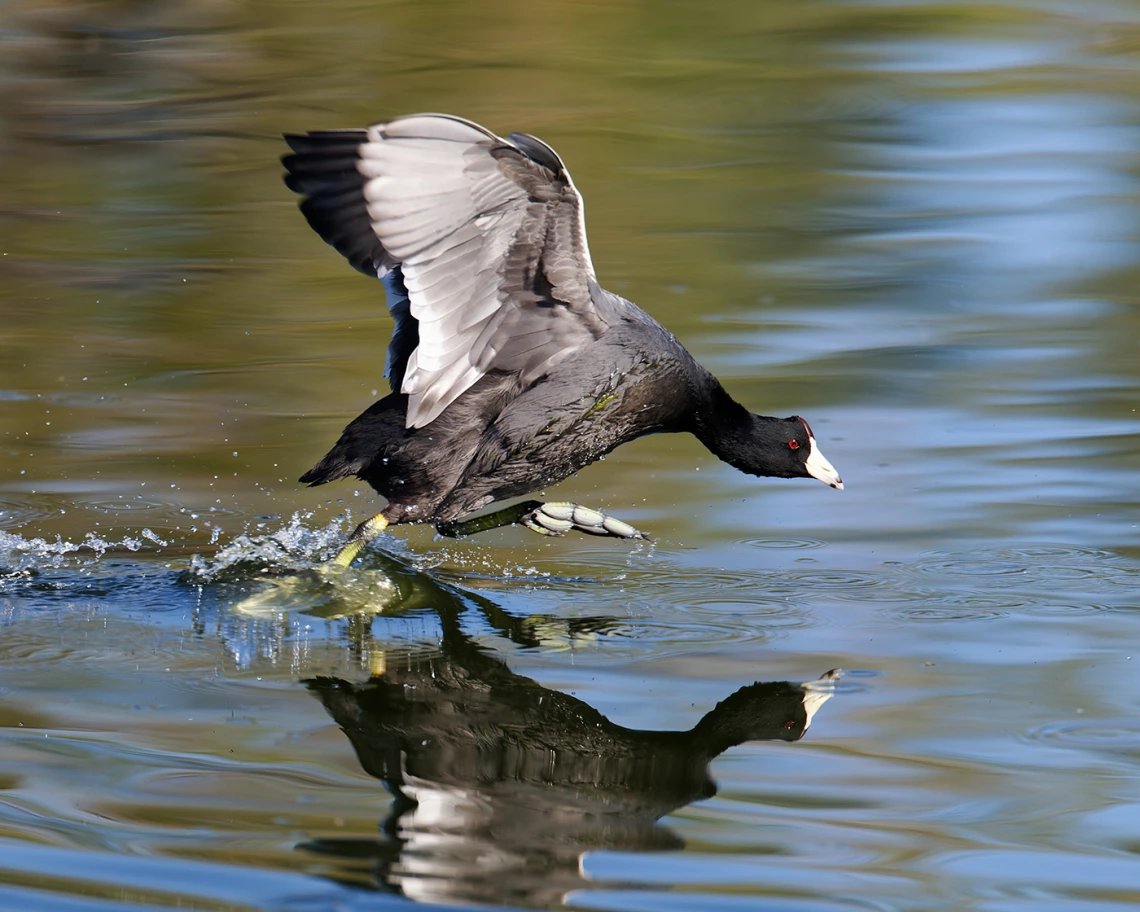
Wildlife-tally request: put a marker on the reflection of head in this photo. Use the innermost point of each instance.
(492, 771)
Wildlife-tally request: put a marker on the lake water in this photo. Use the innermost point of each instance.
(916, 224)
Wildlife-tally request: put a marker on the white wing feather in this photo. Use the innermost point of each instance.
(488, 234)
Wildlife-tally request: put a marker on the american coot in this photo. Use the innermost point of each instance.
(510, 367)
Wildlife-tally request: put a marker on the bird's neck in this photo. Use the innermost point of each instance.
(731, 432)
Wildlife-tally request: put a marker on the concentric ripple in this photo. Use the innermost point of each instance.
(783, 544)
(1035, 563)
(947, 613)
(1091, 734)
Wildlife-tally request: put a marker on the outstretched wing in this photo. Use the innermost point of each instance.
(488, 234)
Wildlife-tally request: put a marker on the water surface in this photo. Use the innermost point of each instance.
(913, 223)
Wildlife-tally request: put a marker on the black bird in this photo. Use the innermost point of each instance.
(510, 367)
(502, 785)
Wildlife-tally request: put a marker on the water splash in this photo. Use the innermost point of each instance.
(294, 546)
(291, 548)
(21, 556)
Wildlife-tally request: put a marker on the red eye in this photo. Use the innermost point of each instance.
(793, 444)
(788, 726)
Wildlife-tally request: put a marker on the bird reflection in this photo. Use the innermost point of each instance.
(501, 784)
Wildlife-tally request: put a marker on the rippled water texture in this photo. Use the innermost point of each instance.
(916, 224)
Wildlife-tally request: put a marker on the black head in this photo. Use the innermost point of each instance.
(782, 448)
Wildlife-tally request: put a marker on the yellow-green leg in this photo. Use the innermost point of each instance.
(361, 536)
(503, 517)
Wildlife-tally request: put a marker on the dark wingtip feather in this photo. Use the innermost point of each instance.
(322, 168)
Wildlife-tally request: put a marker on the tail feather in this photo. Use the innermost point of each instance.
(333, 467)
(366, 439)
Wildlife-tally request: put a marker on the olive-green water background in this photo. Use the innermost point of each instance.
(915, 224)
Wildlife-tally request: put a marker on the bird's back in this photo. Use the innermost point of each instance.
(633, 380)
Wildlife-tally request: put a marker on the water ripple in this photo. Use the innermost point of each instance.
(1091, 734)
(783, 544)
(946, 613)
(138, 503)
(17, 513)
(1053, 565)
(673, 636)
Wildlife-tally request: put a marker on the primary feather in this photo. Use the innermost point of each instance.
(486, 236)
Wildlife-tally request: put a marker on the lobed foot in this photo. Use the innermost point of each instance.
(558, 518)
